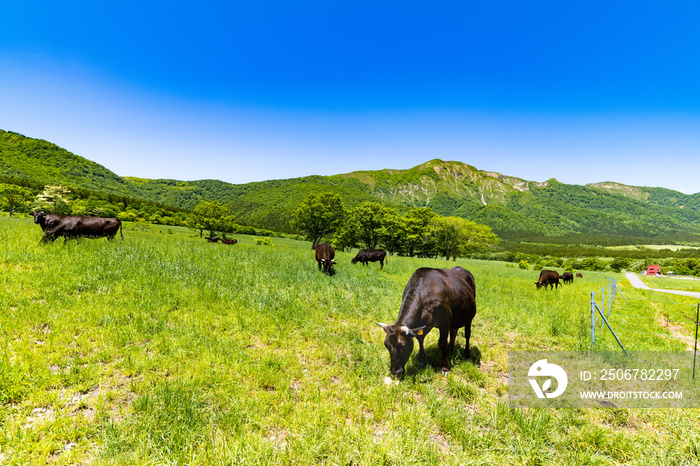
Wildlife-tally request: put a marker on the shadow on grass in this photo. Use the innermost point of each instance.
(433, 359)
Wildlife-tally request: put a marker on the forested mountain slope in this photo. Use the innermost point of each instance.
(515, 208)
(36, 162)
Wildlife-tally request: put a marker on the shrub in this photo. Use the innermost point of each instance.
(263, 241)
(637, 266)
(594, 264)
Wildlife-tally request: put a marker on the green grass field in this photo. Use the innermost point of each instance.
(166, 349)
(667, 283)
(654, 247)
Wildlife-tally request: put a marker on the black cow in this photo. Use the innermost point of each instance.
(76, 227)
(47, 221)
(567, 277)
(371, 255)
(324, 256)
(578, 275)
(442, 298)
(213, 239)
(548, 277)
(229, 241)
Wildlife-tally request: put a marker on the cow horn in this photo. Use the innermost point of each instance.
(405, 330)
(384, 326)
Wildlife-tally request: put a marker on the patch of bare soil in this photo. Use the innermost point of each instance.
(677, 332)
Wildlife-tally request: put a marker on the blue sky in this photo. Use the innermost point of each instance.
(248, 91)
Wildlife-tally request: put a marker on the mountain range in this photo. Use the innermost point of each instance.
(513, 207)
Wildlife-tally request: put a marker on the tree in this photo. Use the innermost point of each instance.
(212, 216)
(594, 264)
(14, 197)
(447, 236)
(54, 199)
(455, 236)
(318, 215)
(371, 223)
(346, 235)
(620, 263)
(393, 233)
(416, 228)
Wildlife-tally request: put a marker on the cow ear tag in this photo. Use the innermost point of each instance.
(420, 332)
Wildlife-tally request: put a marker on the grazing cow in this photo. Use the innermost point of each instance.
(371, 255)
(442, 298)
(229, 241)
(213, 239)
(47, 221)
(548, 277)
(578, 275)
(567, 277)
(91, 227)
(324, 256)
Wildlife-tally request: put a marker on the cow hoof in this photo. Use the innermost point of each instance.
(445, 371)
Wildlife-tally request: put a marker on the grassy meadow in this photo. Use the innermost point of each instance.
(166, 349)
(669, 283)
(654, 247)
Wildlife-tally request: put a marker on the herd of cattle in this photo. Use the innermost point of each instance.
(442, 298)
(216, 239)
(551, 278)
(325, 254)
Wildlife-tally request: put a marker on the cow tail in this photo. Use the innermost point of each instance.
(120, 230)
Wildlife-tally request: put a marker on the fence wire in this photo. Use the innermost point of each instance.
(606, 297)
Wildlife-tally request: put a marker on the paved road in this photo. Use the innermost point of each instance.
(638, 283)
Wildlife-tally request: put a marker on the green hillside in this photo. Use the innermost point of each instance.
(267, 204)
(37, 162)
(515, 208)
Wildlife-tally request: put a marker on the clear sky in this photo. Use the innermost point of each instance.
(247, 91)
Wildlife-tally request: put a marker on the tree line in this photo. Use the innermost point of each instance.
(216, 218)
(370, 225)
(18, 199)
